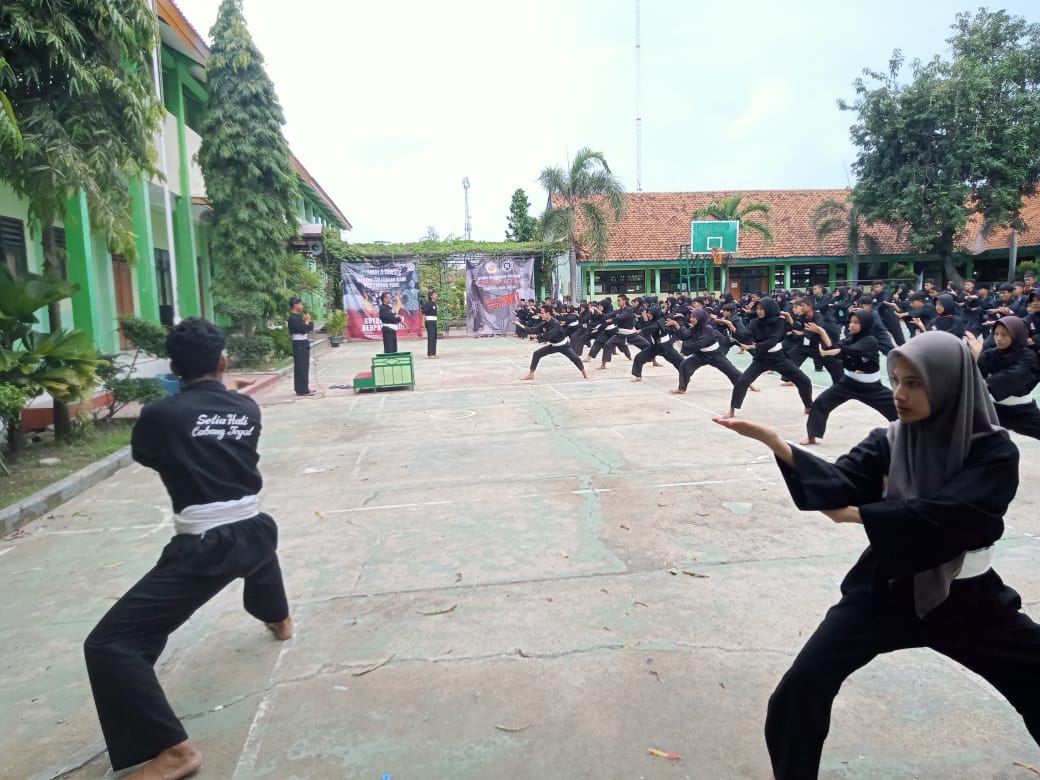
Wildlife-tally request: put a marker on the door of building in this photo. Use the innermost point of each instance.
(123, 282)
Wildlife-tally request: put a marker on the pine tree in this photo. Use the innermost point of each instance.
(250, 180)
(522, 226)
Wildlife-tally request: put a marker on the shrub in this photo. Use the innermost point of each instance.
(148, 337)
(248, 351)
(336, 323)
(12, 401)
(281, 341)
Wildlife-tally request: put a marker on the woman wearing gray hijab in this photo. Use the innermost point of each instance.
(931, 491)
(1011, 371)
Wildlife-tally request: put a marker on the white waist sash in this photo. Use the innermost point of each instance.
(712, 348)
(610, 327)
(199, 518)
(300, 337)
(431, 318)
(558, 343)
(391, 325)
(1014, 400)
(626, 331)
(665, 339)
(776, 347)
(976, 562)
(860, 376)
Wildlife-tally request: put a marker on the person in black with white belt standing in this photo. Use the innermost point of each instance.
(300, 327)
(391, 322)
(429, 310)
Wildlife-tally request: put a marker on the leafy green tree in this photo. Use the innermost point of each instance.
(76, 81)
(958, 140)
(586, 186)
(733, 209)
(521, 225)
(842, 217)
(250, 180)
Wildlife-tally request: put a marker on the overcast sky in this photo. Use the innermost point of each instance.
(390, 104)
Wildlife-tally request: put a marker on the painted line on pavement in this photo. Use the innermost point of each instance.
(385, 506)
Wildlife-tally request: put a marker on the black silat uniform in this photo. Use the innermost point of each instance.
(429, 310)
(661, 343)
(551, 332)
(390, 324)
(301, 352)
(627, 334)
(701, 342)
(888, 316)
(807, 345)
(768, 355)
(203, 443)
(861, 380)
(1011, 375)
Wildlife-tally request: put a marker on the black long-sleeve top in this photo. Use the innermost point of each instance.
(767, 334)
(549, 330)
(298, 326)
(386, 314)
(860, 355)
(695, 339)
(203, 444)
(625, 318)
(950, 323)
(914, 535)
(1011, 373)
(429, 309)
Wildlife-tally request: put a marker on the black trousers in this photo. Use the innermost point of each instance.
(800, 352)
(1002, 647)
(873, 394)
(618, 341)
(389, 341)
(891, 321)
(772, 361)
(600, 341)
(549, 349)
(667, 351)
(301, 356)
(1024, 419)
(716, 359)
(136, 720)
(431, 338)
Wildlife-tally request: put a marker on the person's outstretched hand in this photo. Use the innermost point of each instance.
(749, 428)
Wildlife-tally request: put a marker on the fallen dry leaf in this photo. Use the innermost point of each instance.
(521, 653)
(662, 754)
(513, 729)
(695, 574)
(373, 668)
(1030, 767)
(440, 611)
(110, 565)
(319, 514)
(630, 644)
(641, 603)
(673, 571)
(564, 554)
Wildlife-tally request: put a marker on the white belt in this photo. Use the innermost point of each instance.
(712, 348)
(199, 518)
(626, 331)
(1015, 400)
(610, 327)
(860, 376)
(665, 339)
(573, 324)
(391, 325)
(976, 562)
(776, 347)
(558, 343)
(431, 319)
(300, 337)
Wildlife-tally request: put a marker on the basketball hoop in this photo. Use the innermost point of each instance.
(717, 255)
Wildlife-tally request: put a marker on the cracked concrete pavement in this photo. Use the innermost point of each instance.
(495, 578)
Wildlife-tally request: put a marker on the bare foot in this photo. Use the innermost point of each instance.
(787, 384)
(587, 359)
(809, 440)
(730, 414)
(808, 409)
(636, 379)
(282, 630)
(753, 389)
(182, 760)
(602, 367)
(530, 375)
(656, 364)
(584, 374)
(678, 391)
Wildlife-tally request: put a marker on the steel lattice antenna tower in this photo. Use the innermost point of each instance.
(639, 118)
(467, 231)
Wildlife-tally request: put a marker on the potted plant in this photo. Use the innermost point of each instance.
(335, 324)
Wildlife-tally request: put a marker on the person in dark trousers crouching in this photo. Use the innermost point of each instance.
(391, 321)
(203, 443)
(300, 327)
(429, 311)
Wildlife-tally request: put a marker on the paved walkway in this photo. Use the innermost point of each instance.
(489, 579)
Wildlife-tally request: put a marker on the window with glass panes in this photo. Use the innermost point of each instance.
(803, 277)
(616, 282)
(12, 245)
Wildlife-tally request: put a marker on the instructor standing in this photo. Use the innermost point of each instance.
(429, 311)
(391, 321)
(300, 326)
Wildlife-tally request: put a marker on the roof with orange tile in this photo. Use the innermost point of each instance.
(656, 224)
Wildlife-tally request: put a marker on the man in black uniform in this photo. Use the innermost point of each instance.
(203, 442)
(390, 320)
(300, 326)
(429, 311)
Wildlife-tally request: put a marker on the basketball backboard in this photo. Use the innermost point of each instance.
(713, 234)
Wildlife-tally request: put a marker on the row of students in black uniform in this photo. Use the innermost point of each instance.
(780, 333)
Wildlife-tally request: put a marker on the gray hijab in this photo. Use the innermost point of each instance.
(927, 454)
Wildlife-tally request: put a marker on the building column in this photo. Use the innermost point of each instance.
(206, 270)
(147, 292)
(183, 229)
(592, 283)
(81, 266)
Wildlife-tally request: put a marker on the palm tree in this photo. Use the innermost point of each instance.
(729, 209)
(584, 187)
(840, 216)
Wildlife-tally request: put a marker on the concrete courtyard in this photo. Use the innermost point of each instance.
(501, 579)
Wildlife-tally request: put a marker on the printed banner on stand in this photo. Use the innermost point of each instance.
(365, 283)
(494, 287)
